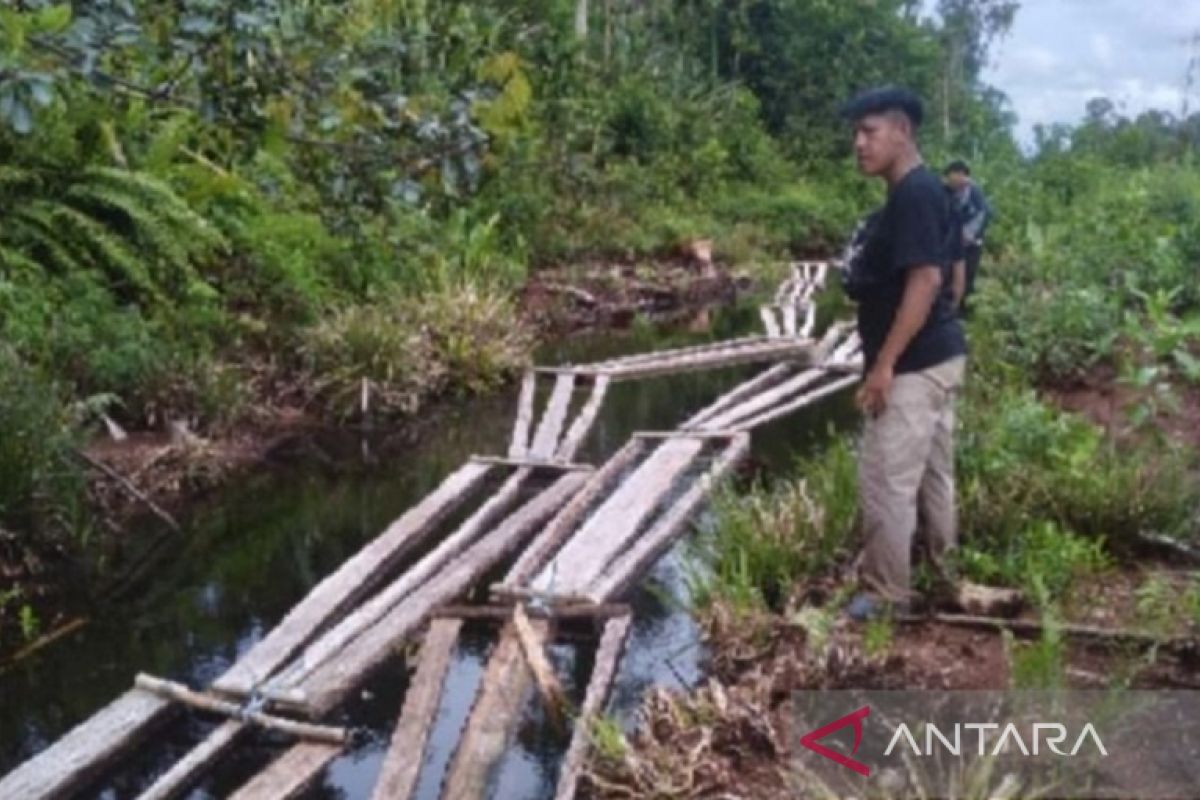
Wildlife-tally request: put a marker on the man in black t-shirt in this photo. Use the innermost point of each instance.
(914, 351)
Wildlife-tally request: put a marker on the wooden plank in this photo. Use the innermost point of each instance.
(770, 324)
(779, 349)
(489, 728)
(66, 766)
(658, 355)
(556, 532)
(608, 654)
(336, 678)
(188, 769)
(402, 764)
(533, 463)
(704, 434)
(616, 522)
(503, 613)
(643, 553)
(763, 380)
(801, 402)
(583, 423)
(789, 318)
(331, 643)
(545, 441)
(763, 400)
(350, 582)
(290, 774)
(519, 445)
(533, 645)
(205, 702)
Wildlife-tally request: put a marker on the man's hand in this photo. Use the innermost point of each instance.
(873, 394)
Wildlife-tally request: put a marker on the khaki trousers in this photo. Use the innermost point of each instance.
(906, 470)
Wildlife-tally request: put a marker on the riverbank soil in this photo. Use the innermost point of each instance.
(732, 736)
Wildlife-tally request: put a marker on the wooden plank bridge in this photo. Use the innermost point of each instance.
(576, 544)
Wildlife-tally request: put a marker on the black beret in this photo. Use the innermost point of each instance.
(887, 98)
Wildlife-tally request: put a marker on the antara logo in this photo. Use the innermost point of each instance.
(856, 718)
(1055, 734)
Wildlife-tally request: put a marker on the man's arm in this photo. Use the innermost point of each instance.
(921, 287)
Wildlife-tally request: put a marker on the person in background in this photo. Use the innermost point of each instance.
(898, 269)
(975, 214)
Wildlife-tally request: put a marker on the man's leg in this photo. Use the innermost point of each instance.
(973, 255)
(892, 463)
(938, 507)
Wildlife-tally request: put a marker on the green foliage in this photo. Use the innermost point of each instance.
(1039, 665)
(1043, 560)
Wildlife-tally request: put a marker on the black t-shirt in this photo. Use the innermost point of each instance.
(916, 227)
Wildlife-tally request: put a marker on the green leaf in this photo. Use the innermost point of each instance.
(54, 19)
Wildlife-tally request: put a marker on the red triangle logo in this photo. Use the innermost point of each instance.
(810, 740)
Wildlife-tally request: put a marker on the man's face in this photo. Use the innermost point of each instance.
(879, 139)
(956, 180)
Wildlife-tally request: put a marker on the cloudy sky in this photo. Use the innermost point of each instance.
(1062, 53)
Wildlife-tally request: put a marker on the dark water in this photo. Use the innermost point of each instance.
(254, 551)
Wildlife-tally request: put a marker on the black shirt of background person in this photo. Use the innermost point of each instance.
(916, 227)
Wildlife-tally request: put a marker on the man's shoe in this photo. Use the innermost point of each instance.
(864, 607)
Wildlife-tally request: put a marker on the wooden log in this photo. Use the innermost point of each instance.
(350, 582)
(810, 321)
(402, 764)
(519, 446)
(206, 702)
(494, 717)
(533, 645)
(616, 631)
(789, 318)
(658, 355)
(556, 532)
(188, 769)
(291, 774)
(1109, 637)
(336, 678)
(780, 349)
(800, 402)
(646, 550)
(618, 519)
(583, 423)
(65, 767)
(330, 645)
(764, 400)
(763, 380)
(545, 440)
(531, 463)
(127, 486)
(45, 640)
(770, 324)
(502, 593)
(503, 613)
(699, 434)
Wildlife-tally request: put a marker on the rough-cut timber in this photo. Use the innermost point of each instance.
(545, 440)
(489, 728)
(533, 644)
(800, 402)
(617, 520)
(556, 532)
(716, 357)
(616, 631)
(330, 645)
(350, 582)
(64, 768)
(204, 702)
(402, 765)
(763, 380)
(764, 400)
(188, 769)
(583, 423)
(330, 684)
(633, 562)
(290, 774)
(519, 445)
(769, 322)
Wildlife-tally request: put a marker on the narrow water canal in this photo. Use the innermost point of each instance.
(252, 552)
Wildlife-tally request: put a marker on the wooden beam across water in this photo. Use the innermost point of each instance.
(291, 774)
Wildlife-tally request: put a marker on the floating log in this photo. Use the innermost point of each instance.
(646, 550)
(616, 631)
(206, 702)
(329, 684)
(769, 322)
(188, 769)
(556, 532)
(563, 612)
(658, 355)
(330, 645)
(545, 440)
(65, 767)
(46, 639)
(611, 528)
(782, 348)
(350, 582)
(494, 717)
(583, 423)
(800, 402)
(402, 764)
(765, 400)
(519, 445)
(291, 774)
(697, 434)
(533, 645)
(789, 318)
